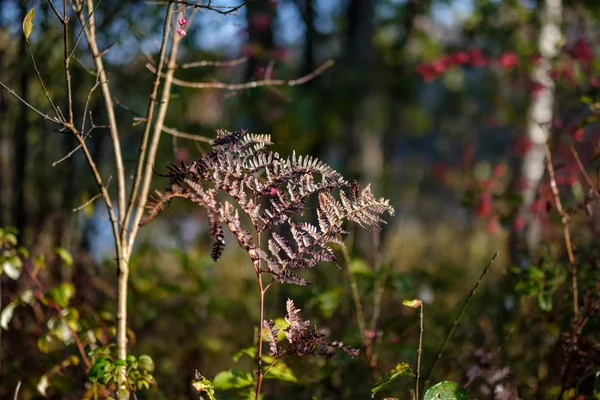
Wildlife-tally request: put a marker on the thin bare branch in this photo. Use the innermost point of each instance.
(224, 64)
(157, 130)
(32, 108)
(90, 32)
(69, 154)
(87, 102)
(586, 176)
(60, 18)
(90, 201)
(80, 34)
(148, 119)
(57, 113)
(223, 10)
(566, 232)
(249, 85)
(190, 136)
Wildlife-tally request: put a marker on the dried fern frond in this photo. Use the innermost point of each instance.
(271, 337)
(305, 339)
(270, 191)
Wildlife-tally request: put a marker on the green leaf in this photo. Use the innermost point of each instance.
(328, 301)
(12, 267)
(10, 238)
(28, 23)
(248, 351)
(282, 372)
(446, 391)
(204, 385)
(545, 301)
(27, 297)
(97, 371)
(65, 255)
(359, 267)
(146, 363)
(43, 384)
(62, 294)
(402, 369)
(7, 315)
(232, 379)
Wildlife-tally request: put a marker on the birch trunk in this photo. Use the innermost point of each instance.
(540, 117)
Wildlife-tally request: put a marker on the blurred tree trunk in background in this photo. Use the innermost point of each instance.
(20, 150)
(540, 117)
(363, 130)
(307, 10)
(260, 16)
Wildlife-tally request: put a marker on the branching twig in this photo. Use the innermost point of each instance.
(32, 108)
(90, 32)
(57, 112)
(149, 116)
(249, 85)
(223, 10)
(586, 176)
(565, 222)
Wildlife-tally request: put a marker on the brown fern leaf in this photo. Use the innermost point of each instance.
(305, 339)
(271, 337)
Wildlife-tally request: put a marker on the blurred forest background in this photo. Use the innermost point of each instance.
(438, 104)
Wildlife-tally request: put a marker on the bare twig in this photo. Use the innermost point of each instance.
(69, 154)
(225, 64)
(223, 10)
(457, 319)
(60, 18)
(586, 176)
(57, 112)
(32, 108)
(149, 116)
(16, 396)
(567, 234)
(90, 201)
(190, 136)
(90, 32)
(157, 130)
(419, 351)
(249, 85)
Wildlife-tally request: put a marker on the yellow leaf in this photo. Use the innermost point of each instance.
(412, 303)
(28, 23)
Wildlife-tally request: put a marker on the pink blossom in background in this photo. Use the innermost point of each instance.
(484, 206)
(477, 58)
(181, 32)
(577, 135)
(581, 51)
(536, 88)
(427, 72)
(182, 155)
(519, 222)
(522, 145)
(508, 60)
(460, 58)
(500, 170)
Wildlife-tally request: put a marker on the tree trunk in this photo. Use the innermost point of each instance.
(539, 121)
